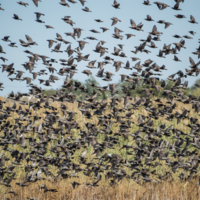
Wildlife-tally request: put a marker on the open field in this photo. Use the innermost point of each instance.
(97, 154)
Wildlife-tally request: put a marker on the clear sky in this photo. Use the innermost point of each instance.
(101, 9)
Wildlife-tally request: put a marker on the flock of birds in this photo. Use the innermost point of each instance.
(152, 146)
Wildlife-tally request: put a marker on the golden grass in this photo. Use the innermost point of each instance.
(123, 190)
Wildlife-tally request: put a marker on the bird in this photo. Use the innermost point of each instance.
(192, 20)
(3, 59)
(115, 4)
(22, 3)
(1, 50)
(138, 27)
(147, 3)
(81, 44)
(38, 15)
(36, 2)
(30, 41)
(176, 6)
(57, 48)
(167, 24)
(115, 20)
(82, 2)
(161, 6)
(149, 18)
(104, 29)
(51, 42)
(12, 44)
(63, 3)
(6, 39)
(48, 26)
(161, 54)
(87, 72)
(180, 16)
(98, 20)
(129, 35)
(177, 36)
(176, 58)
(187, 37)
(16, 17)
(1, 8)
(86, 9)
(155, 32)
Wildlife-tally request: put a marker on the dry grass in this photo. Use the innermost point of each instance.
(125, 189)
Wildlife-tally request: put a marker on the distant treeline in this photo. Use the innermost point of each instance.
(91, 85)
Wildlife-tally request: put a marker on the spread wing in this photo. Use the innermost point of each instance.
(154, 28)
(191, 61)
(133, 23)
(35, 2)
(58, 46)
(58, 36)
(29, 39)
(82, 2)
(192, 18)
(22, 41)
(140, 25)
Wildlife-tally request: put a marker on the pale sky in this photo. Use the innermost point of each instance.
(101, 9)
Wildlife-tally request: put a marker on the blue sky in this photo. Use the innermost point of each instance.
(101, 9)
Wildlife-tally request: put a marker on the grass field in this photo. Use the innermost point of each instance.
(127, 188)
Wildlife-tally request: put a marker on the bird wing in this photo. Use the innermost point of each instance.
(137, 64)
(176, 6)
(35, 75)
(149, 37)
(148, 17)
(98, 46)
(78, 33)
(58, 36)
(133, 23)
(117, 67)
(153, 44)
(58, 46)
(82, 2)
(140, 25)
(29, 39)
(114, 22)
(28, 80)
(191, 61)
(128, 64)
(182, 42)
(16, 16)
(50, 43)
(81, 45)
(154, 28)
(69, 47)
(35, 2)
(22, 41)
(38, 15)
(192, 18)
